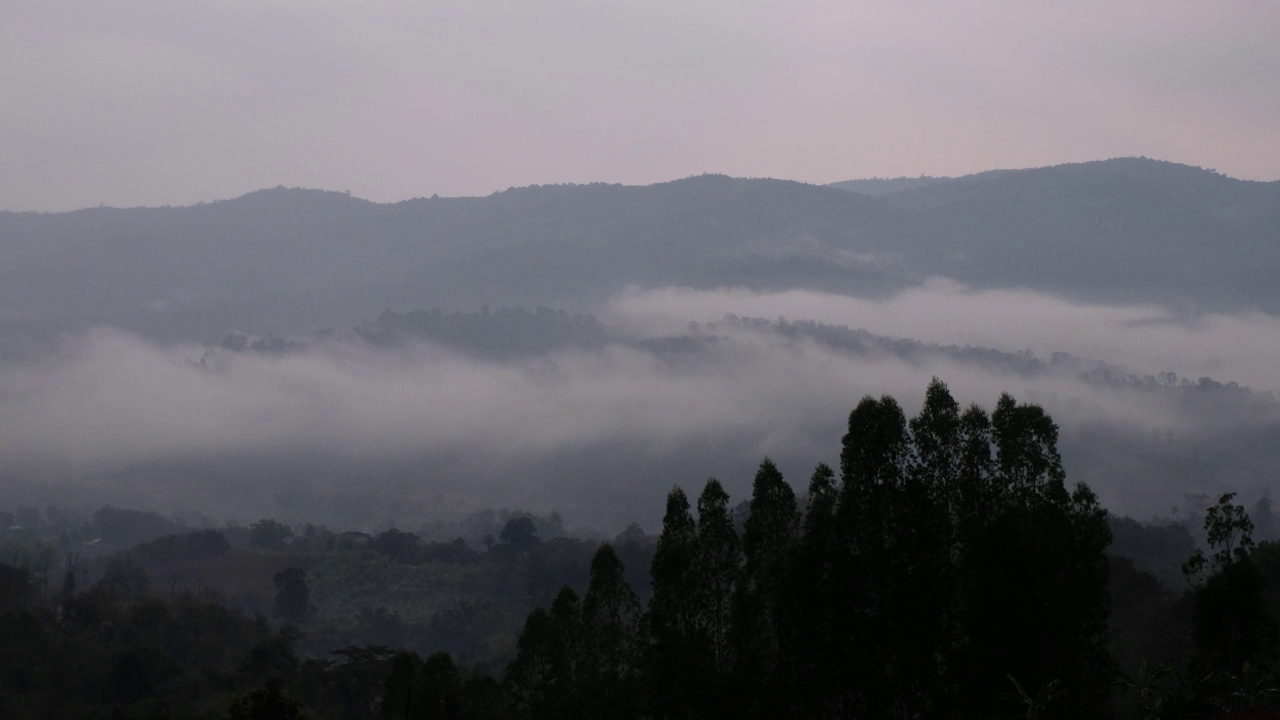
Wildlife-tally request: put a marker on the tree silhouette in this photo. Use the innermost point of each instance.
(520, 533)
(611, 640)
(678, 657)
(1231, 626)
(717, 564)
(764, 633)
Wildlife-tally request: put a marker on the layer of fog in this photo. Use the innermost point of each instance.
(605, 432)
(1147, 338)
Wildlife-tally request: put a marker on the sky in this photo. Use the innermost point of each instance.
(153, 102)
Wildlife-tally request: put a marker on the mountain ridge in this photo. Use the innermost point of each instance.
(1128, 230)
(907, 183)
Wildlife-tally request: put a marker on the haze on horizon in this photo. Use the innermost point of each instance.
(148, 103)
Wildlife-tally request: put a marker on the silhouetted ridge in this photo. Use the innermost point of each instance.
(286, 260)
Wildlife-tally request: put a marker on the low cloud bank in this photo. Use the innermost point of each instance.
(1148, 338)
(663, 402)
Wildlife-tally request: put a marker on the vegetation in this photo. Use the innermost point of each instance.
(946, 569)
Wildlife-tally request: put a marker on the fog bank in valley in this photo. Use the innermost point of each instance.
(674, 385)
(1239, 347)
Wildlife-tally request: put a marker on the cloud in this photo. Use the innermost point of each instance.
(1144, 338)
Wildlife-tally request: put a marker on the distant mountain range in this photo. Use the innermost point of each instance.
(287, 260)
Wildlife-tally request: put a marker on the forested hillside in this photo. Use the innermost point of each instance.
(297, 454)
(299, 260)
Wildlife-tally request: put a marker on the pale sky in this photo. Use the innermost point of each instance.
(152, 102)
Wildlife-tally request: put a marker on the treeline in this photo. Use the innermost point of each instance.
(944, 570)
(948, 556)
(949, 573)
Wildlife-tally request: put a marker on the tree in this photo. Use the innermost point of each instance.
(611, 640)
(764, 636)
(874, 458)
(1034, 574)
(678, 654)
(1229, 532)
(531, 671)
(399, 546)
(812, 585)
(269, 534)
(955, 567)
(566, 654)
(293, 597)
(921, 537)
(543, 680)
(875, 450)
(1230, 624)
(717, 564)
(975, 487)
(520, 534)
(936, 436)
(439, 688)
(635, 549)
(1027, 456)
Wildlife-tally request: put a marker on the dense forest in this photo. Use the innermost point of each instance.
(946, 568)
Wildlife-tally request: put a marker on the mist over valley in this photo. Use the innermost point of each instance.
(639, 361)
(583, 348)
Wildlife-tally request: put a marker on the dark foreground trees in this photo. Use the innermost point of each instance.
(949, 559)
(944, 571)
